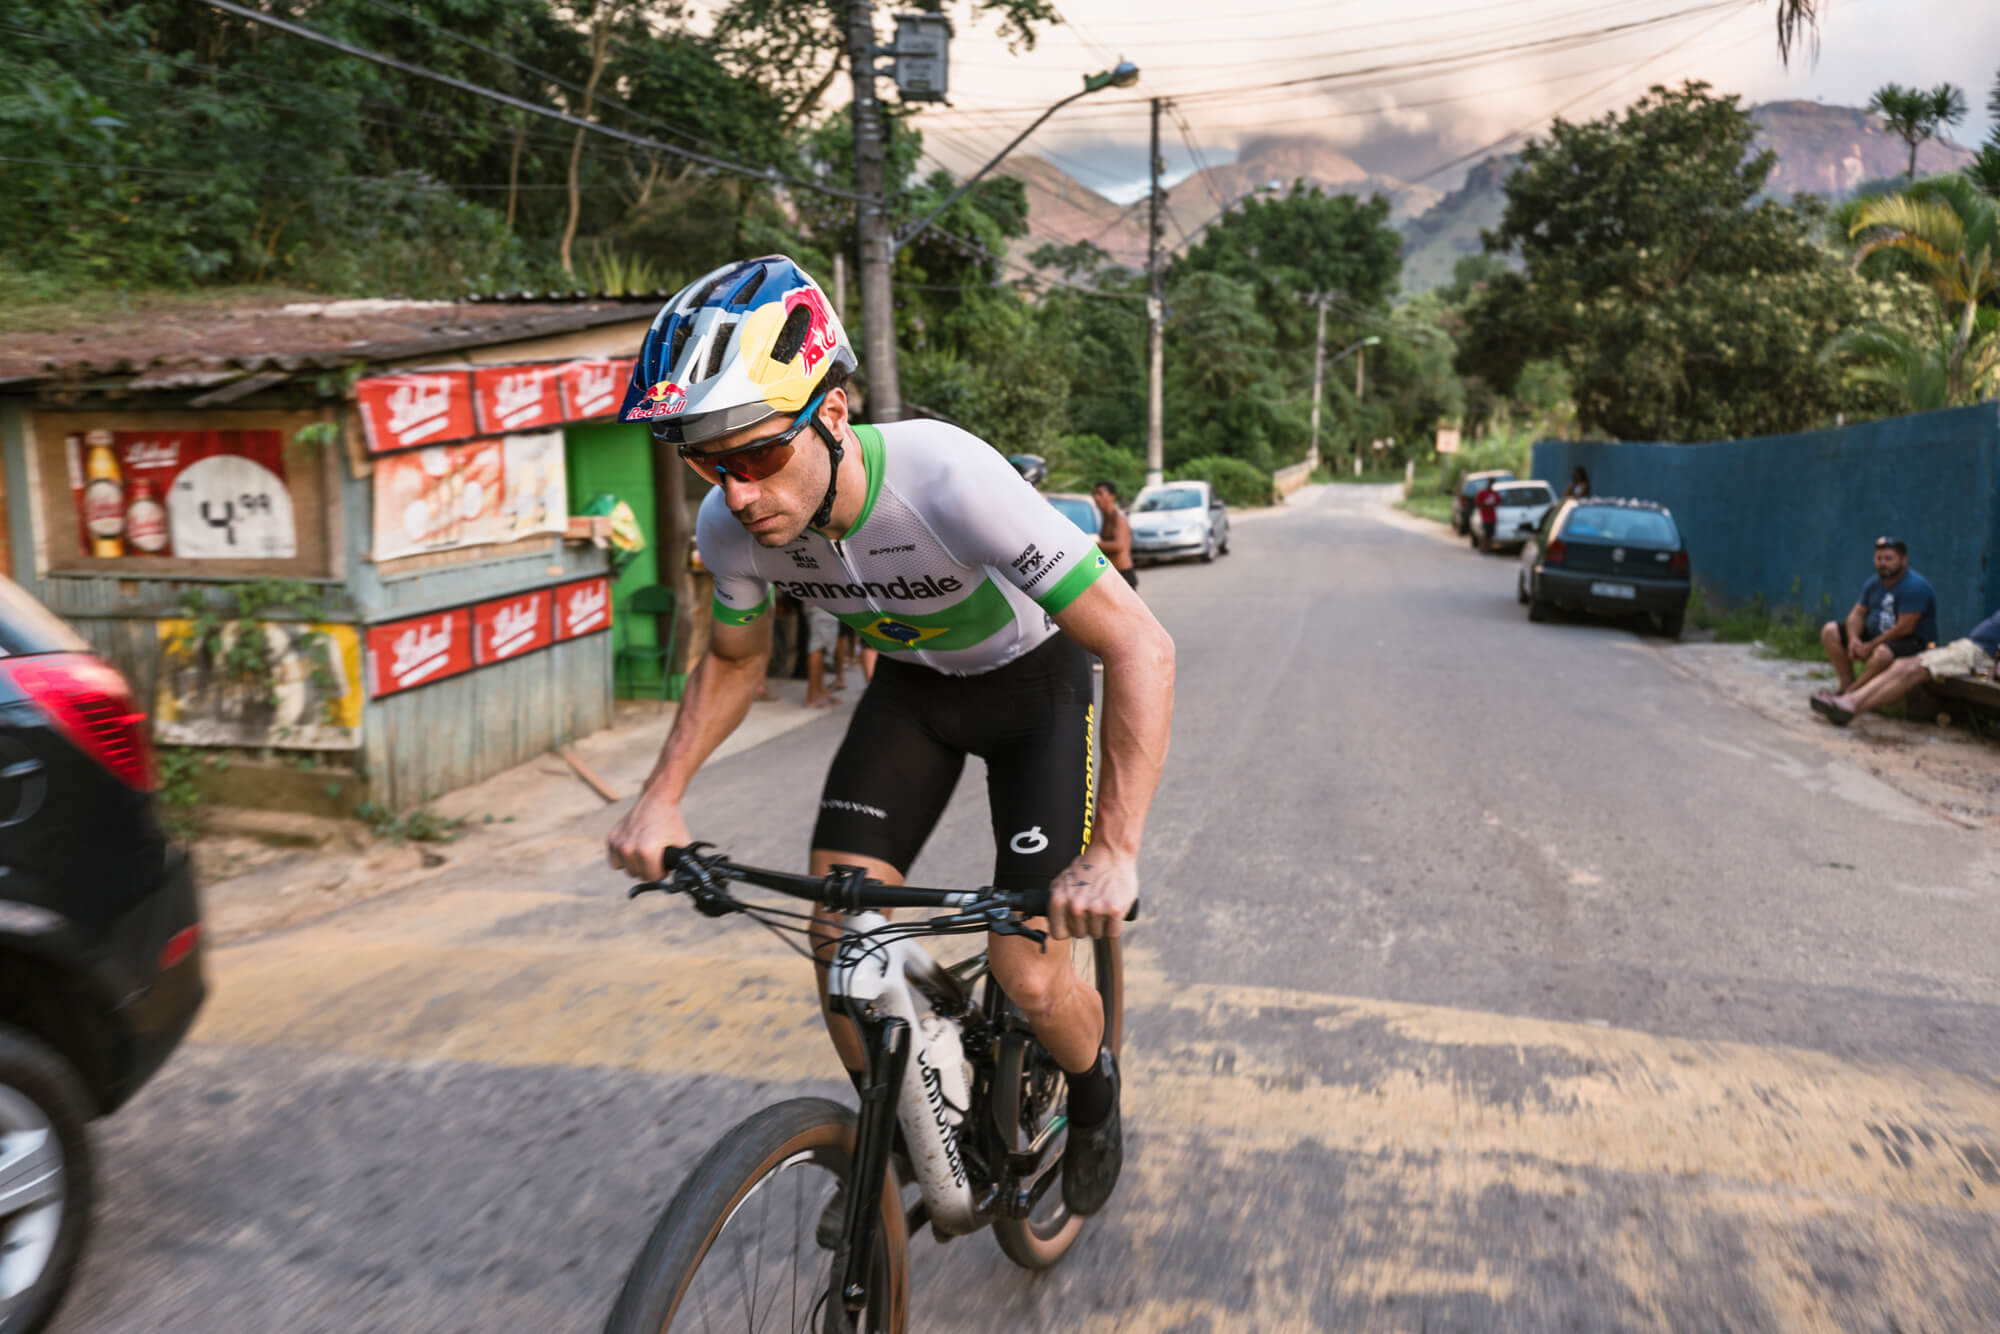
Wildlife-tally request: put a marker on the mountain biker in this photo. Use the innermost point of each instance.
(984, 602)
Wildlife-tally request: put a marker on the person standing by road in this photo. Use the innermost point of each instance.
(1895, 617)
(1487, 502)
(1579, 484)
(1114, 538)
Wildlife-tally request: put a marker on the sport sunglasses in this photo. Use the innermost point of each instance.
(759, 459)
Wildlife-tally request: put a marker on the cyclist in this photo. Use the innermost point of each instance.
(985, 604)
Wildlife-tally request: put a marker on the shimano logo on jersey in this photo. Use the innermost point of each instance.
(859, 808)
(890, 551)
(947, 1128)
(900, 589)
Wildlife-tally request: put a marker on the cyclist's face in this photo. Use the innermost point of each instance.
(776, 508)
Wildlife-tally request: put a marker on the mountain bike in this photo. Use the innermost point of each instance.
(796, 1219)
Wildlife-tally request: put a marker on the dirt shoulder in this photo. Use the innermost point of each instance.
(1947, 768)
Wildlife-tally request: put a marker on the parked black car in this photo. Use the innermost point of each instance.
(100, 939)
(1607, 556)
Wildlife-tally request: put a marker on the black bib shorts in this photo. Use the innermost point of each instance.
(1032, 721)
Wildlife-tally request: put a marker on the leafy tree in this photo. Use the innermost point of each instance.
(1927, 369)
(1915, 114)
(1985, 167)
(1683, 305)
(1951, 230)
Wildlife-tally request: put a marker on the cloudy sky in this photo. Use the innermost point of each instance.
(1406, 88)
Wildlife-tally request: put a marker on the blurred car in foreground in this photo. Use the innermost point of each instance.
(100, 939)
(1179, 519)
(1609, 557)
(1080, 510)
(1469, 486)
(1522, 507)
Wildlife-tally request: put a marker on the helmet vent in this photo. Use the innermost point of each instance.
(718, 349)
(681, 330)
(747, 288)
(793, 336)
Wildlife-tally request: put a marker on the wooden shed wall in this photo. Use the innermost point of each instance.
(430, 740)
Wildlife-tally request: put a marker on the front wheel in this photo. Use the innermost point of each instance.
(1045, 1236)
(740, 1246)
(1208, 551)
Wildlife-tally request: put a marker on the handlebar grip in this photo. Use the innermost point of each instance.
(1035, 903)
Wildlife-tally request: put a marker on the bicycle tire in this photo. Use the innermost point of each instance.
(757, 1148)
(1037, 1245)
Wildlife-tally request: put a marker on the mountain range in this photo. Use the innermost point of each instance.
(1826, 150)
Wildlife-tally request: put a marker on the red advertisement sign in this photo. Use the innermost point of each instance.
(583, 608)
(593, 388)
(202, 495)
(517, 398)
(402, 654)
(508, 627)
(398, 411)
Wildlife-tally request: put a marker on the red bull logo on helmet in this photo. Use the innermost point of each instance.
(664, 399)
(821, 339)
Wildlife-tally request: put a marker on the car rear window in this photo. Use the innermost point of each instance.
(1479, 480)
(26, 626)
(1525, 493)
(1614, 523)
(1176, 498)
(1079, 512)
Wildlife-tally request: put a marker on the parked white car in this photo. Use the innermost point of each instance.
(1520, 512)
(1179, 519)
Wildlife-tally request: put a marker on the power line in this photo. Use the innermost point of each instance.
(770, 174)
(421, 181)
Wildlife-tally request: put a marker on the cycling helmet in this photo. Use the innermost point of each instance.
(733, 348)
(1034, 469)
(737, 347)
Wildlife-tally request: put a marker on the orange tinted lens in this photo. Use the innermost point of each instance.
(751, 465)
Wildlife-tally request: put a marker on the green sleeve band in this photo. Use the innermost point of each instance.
(1070, 587)
(729, 615)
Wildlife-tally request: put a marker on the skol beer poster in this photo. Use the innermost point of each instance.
(469, 494)
(199, 495)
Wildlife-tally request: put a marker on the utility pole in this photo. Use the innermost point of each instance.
(1156, 320)
(1360, 360)
(871, 224)
(1319, 354)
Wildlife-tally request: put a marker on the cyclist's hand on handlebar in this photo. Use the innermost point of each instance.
(635, 843)
(1092, 896)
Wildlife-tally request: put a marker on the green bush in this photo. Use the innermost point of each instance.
(1237, 482)
(1079, 462)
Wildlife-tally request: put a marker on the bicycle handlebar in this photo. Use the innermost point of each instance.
(695, 871)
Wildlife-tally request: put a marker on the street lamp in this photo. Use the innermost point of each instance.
(1122, 75)
(1319, 369)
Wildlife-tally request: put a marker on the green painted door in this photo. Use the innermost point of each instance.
(618, 458)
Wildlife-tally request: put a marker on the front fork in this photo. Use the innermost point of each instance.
(886, 1041)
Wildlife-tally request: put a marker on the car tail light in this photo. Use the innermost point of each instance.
(1679, 563)
(93, 707)
(179, 946)
(1555, 553)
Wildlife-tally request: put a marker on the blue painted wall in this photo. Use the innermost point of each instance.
(1793, 518)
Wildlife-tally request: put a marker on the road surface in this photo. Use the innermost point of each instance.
(1494, 977)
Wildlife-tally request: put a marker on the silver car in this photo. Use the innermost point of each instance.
(1179, 519)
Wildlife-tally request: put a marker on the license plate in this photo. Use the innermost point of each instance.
(1611, 591)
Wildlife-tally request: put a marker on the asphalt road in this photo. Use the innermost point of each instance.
(1494, 977)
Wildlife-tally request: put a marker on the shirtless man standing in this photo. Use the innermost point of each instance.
(1115, 540)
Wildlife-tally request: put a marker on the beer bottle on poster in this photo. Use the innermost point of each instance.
(103, 497)
(145, 519)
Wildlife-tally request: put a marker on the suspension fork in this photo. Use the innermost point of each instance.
(886, 1040)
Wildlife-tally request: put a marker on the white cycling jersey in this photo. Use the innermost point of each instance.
(954, 560)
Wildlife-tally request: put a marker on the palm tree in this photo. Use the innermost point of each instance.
(1798, 21)
(1914, 115)
(1918, 367)
(1985, 166)
(1952, 231)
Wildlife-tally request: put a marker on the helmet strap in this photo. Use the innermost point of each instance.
(835, 450)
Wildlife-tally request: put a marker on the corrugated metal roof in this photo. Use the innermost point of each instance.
(212, 346)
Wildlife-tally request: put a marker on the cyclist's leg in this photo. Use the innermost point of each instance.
(889, 783)
(1040, 790)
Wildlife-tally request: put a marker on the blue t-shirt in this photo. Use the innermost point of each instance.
(1911, 593)
(1986, 634)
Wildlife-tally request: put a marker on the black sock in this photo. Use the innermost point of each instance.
(1091, 1098)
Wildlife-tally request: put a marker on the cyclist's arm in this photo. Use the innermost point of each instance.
(1109, 619)
(718, 694)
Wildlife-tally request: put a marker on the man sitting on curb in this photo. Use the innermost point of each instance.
(1896, 617)
(1972, 656)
